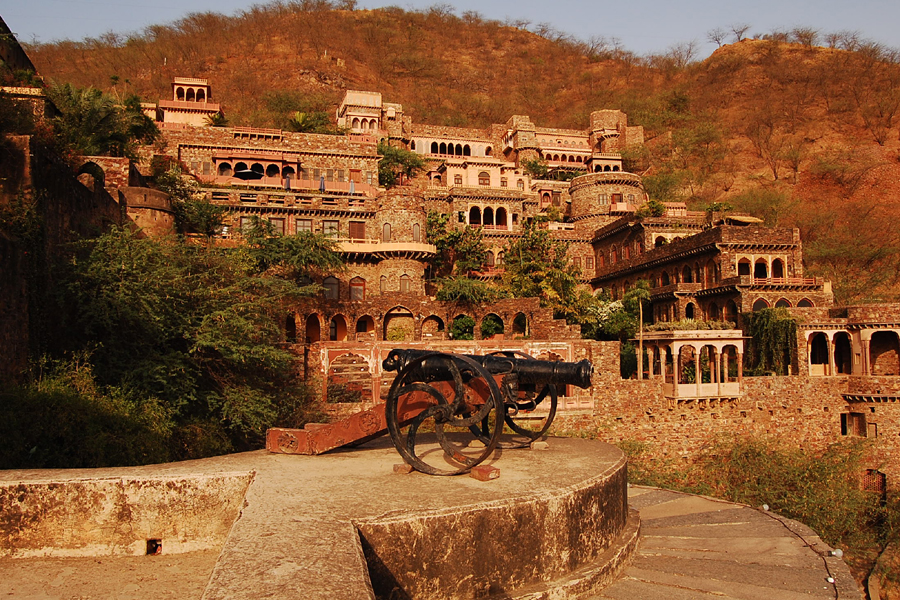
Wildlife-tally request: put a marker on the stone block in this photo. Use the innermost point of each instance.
(484, 473)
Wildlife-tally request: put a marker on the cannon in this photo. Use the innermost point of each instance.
(445, 412)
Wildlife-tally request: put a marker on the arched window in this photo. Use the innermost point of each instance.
(273, 171)
(761, 269)
(225, 169)
(332, 288)
(337, 329)
(357, 288)
(744, 266)
(288, 172)
(434, 148)
(504, 182)
(500, 218)
(487, 151)
(760, 304)
(412, 145)
(778, 269)
(355, 124)
(467, 151)
(488, 217)
(179, 93)
(189, 96)
(501, 256)
(475, 216)
(372, 125)
(689, 311)
(201, 96)
(457, 180)
(383, 286)
(804, 304)
(241, 166)
(404, 284)
(416, 232)
(484, 178)
(458, 150)
(783, 303)
(443, 148)
(686, 275)
(386, 233)
(489, 258)
(520, 184)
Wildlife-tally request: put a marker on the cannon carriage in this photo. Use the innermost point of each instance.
(445, 412)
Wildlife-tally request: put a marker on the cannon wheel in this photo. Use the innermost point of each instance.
(454, 404)
(526, 427)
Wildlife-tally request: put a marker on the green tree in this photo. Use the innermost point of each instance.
(298, 258)
(537, 168)
(93, 123)
(536, 265)
(470, 292)
(460, 251)
(197, 329)
(312, 122)
(397, 164)
(193, 212)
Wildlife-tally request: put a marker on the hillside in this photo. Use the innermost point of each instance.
(800, 135)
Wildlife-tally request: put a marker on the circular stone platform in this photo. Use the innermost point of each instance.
(345, 525)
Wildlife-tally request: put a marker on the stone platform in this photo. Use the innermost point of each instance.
(338, 526)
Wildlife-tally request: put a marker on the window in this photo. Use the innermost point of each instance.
(246, 223)
(277, 225)
(206, 167)
(520, 184)
(416, 232)
(383, 286)
(340, 175)
(357, 230)
(484, 178)
(304, 226)
(386, 232)
(576, 262)
(332, 288)
(489, 259)
(589, 262)
(331, 227)
(357, 288)
(404, 284)
(457, 180)
(504, 182)
(853, 424)
(329, 175)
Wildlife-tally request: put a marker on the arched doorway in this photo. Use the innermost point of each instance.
(819, 362)
(399, 325)
(337, 329)
(313, 329)
(884, 351)
(843, 353)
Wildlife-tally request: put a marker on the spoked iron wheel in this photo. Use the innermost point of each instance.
(519, 408)
(448, 394)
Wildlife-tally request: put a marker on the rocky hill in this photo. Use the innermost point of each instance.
(799, 134)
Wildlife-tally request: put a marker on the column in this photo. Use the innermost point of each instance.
(831, 364)
(698, 374)
(718, 362)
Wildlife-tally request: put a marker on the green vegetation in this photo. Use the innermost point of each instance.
(193, 212)
(165, 350)
(95, 124)
(460, 251)
(397, 165)
(773, 342)
(462, 328)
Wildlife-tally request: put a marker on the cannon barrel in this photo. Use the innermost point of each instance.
(529, 371)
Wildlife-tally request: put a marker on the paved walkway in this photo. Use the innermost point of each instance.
(699, 548)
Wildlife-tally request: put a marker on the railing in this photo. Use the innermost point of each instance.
(208, 106)
(781, 280)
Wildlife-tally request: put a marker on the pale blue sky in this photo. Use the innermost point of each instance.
(643, 26)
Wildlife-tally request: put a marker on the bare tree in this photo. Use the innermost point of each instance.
(717, 36)
(806, 36)
(739, 30)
